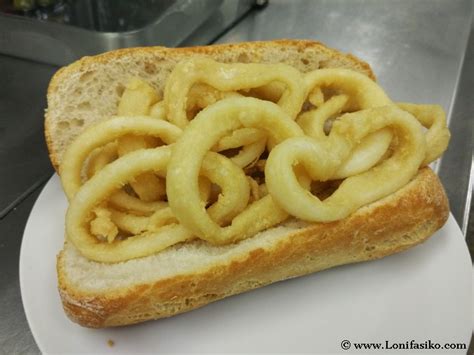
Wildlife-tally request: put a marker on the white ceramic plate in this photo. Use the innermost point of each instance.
(424, 294)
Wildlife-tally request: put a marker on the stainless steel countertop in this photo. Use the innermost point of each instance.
(172, 22)
(416, 50)
(23, 153)
(24, 167)
(15, 335)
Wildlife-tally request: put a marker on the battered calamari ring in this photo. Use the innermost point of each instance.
(252, 140)
(100, 158)
(371, 150)
(148, 186)
(96, 190)
(103, 133)
(313, 122)
(154, 236)
(362, 92)
(356, 92)
(120, 199)
(433, 118)
(158, 111)
(249, 154)
(136, 100)
(229, 77)
(217, 121)
(125, 202)
(322, 159)
(239, 138)
(201, 95)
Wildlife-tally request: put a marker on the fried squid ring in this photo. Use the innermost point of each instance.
(316, 97)
(128, 222)
(217, 121)
(125, 202)
(229, 77)
(136, 101)
(102, 225)
(235, 189)
(270, 92)
(101, 134)
(360, 89)
(148, 186)
(252, 140)
(139, 224)
(120, 199)
(134, 223)
(96, 190)
(356, 92)
(101, 158)
(137, 98)
(314, 122)
(433, 118)
(239, 138)
(321, 160)
(202, 95)
(158, 111)
(250, 154)
(215, 167)
(371, 149)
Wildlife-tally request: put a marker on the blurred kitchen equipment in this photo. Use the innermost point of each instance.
(61, 31)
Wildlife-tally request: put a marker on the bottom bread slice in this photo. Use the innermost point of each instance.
(191, 275)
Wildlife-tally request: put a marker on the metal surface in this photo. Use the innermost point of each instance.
(228, 14)
(24, 166)
(15, 335)
(60, 44)
(416, 49)
(455, 169)
(23, 155)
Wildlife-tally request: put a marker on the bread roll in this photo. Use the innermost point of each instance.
(192, 274)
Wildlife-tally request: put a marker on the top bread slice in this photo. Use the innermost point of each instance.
(88, 91)
(193, 274)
